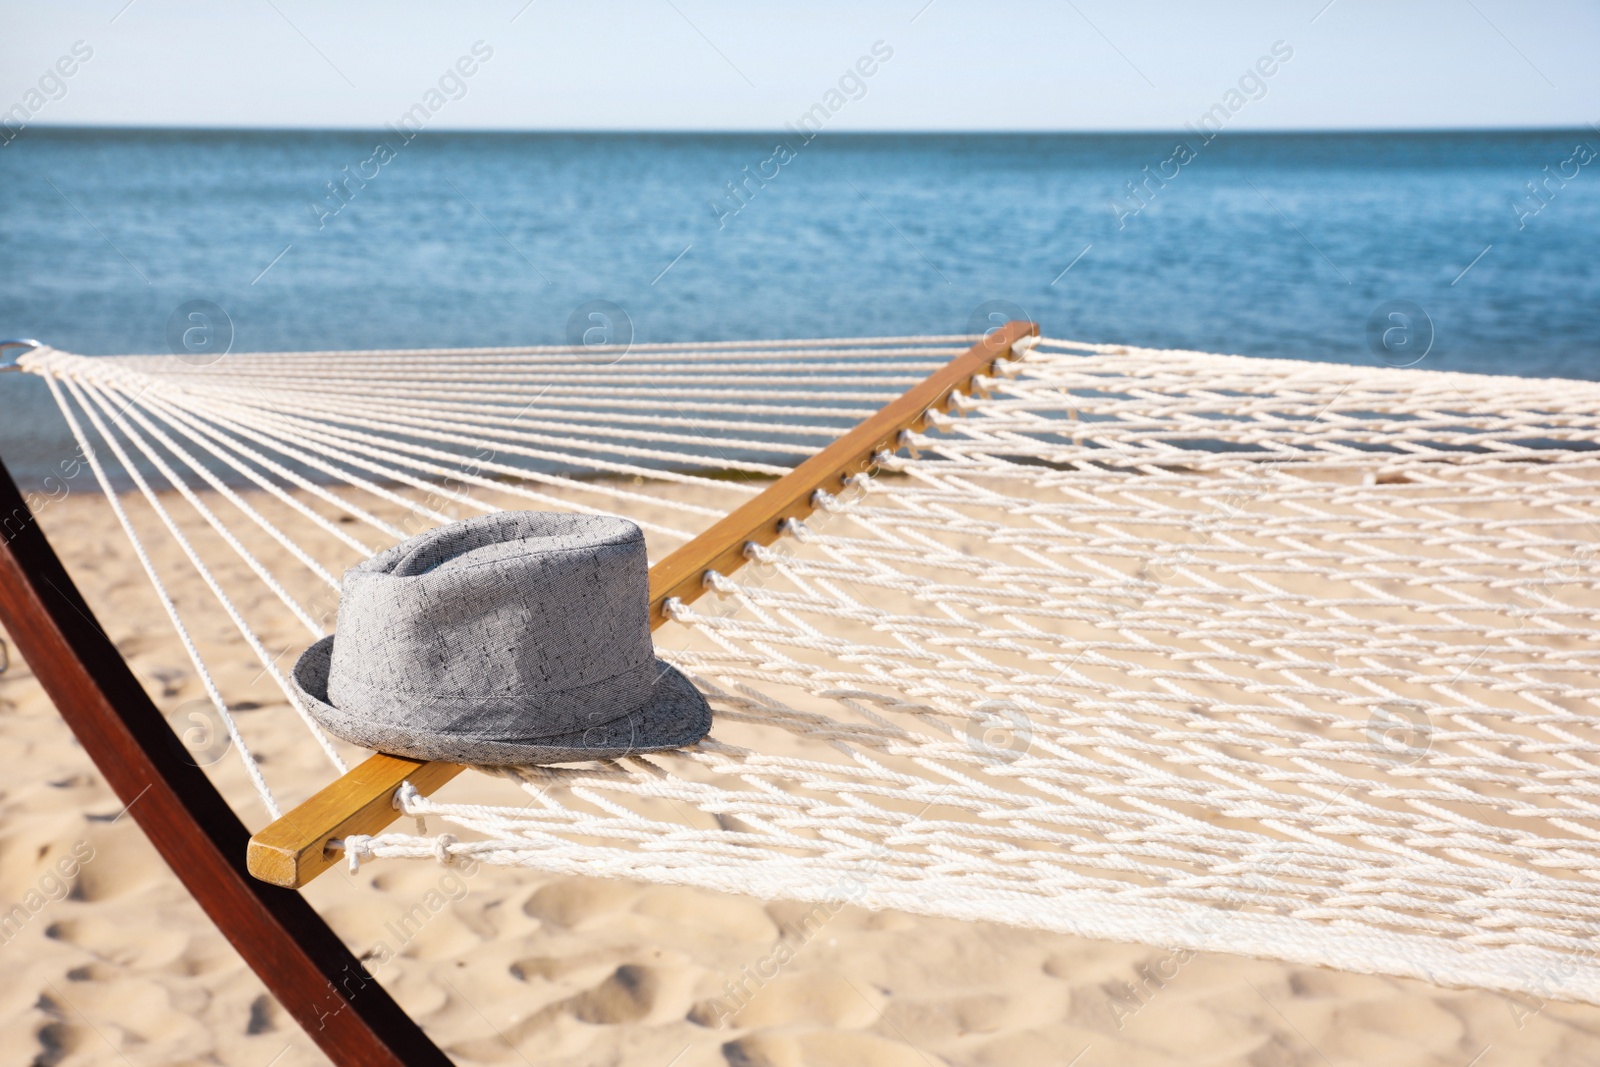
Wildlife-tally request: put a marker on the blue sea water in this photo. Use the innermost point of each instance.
(1282, 245)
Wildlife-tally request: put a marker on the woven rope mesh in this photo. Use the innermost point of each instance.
(1289, 659)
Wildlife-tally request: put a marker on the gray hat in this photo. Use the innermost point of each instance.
(519, 637)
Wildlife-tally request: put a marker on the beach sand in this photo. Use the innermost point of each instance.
(114, 964)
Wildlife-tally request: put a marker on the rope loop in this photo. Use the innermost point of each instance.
(757, 552)
(860, 482)
(889, 461)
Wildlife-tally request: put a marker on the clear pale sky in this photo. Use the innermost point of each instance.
(716, 65)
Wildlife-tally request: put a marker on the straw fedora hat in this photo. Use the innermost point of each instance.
(521, 637)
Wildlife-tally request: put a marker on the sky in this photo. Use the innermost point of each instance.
(714, 65)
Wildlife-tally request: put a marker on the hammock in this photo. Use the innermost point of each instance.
(1286, 659)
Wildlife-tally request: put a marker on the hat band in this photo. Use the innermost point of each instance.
(519, 715)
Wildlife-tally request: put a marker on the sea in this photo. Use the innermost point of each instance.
(1471, 251)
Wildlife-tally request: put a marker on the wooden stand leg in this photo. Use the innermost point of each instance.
(305, 965)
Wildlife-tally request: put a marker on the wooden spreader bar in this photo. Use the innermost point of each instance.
(294, 849)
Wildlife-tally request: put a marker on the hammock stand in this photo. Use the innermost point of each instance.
(300, 960)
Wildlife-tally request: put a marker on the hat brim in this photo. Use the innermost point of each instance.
(675, 715)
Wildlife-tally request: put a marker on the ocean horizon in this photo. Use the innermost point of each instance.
(1299, 245)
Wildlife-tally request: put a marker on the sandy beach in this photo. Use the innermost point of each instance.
(110, 962)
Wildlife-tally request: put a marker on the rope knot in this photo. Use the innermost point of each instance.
(441, 849)
(405, 800)
(404, 797)
(356, 848)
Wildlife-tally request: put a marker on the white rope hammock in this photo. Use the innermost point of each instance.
(1286, 659)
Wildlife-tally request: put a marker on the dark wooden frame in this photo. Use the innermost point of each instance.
(300, 960)
(296, 955)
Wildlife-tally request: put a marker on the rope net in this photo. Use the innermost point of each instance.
(1287, 659)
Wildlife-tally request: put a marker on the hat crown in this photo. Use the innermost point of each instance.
(514, 624)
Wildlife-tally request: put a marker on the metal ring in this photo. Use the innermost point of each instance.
(16, 342)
